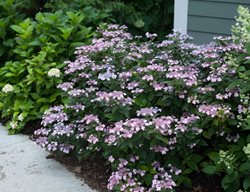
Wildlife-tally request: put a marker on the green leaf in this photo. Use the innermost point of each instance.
(110, 116)
(42, 100)
(125, 112)
(248, 138)
(76, 44)
(214, 156)
(208, 134)
(196, 158)
(17, 103)
(26, 24)
(229, 179)
(246, 125)
(140, 101)
(160, 102)
(9, 43)
(2, 29)
(9, 74)
(144, 168)
(153, 171)
(187, 171)
(161, 138)
(234, 186)
(216, 123)
(242, 69)
(246, 183)
(142, 154)
(35, 42)
(150, 157)
(39, 71)
(75, 18)
(1, 105)
(248, 48)
(210, 169)
(153, 142)
(15, 114)
(57, 38)
(66, 32)
(187, 182)
(43, 108)
(146, 135)
(18, 29)
(193, 165)
(148, 179)
(53, 97)
(245, 167)
(245, 88)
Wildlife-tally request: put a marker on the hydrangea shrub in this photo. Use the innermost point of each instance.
(39, 49)
(157, 111)
(29, 88)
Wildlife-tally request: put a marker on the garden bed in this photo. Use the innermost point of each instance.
(95, 171)
(140, 113)
(95, 174)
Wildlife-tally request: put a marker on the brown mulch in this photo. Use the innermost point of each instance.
(30, 127)
(93, 171)
(203, 183)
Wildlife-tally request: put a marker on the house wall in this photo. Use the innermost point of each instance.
(209, 18)
(180, 15)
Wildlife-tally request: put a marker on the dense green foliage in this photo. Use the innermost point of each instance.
(141, 16)
(31, 48)
(11, 12)
(33, 90)
(28, 15)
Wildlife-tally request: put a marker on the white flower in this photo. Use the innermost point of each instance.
(107, 76)
(111, 159)
(13, 124)
(7, 88)
(151, 36)
(20, 117)
(54, 72)
(246, 150)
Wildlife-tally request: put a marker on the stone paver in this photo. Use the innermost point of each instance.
(24, 168)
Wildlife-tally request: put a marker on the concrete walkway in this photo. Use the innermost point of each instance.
(24, 168)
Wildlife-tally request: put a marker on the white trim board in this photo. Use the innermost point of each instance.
(181, 15)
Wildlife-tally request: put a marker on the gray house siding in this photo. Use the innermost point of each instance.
(209, 18)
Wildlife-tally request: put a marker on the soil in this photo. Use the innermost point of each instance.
(93, 171)
(203, 183)
(4, 121)
(31, 127)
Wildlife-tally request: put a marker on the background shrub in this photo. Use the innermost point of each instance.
(39, 45)
(11, 12)
(140, 16)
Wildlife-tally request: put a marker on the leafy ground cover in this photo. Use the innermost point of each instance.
(158, 112)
